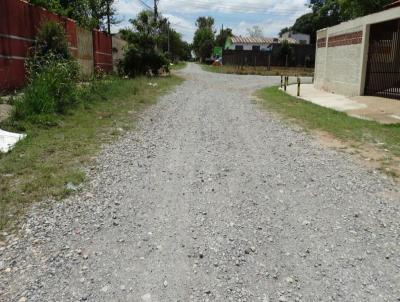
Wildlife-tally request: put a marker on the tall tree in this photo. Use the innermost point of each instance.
(204, 37)
(357, 8)
(99, 14)
(326, 13)
(223, 35)
(205, 22)
(145, 32)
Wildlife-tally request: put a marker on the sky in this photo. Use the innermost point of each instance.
(270, 15)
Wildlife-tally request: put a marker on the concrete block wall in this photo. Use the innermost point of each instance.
(320, 59)
(338, 64)
(342, 54)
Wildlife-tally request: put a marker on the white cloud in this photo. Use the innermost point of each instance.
(181, 25)
(234, 6)
(128, 7)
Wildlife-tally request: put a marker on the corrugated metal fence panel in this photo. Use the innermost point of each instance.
(301, 56)
(15, 38)
(118, 50)
(19, 23)
(85, 51)
(102, 49)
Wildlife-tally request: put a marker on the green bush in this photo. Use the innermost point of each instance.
(50, 91)
(52, 76)
(50, 44)
(137, 62)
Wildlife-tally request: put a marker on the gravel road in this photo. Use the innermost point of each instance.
(212, 199)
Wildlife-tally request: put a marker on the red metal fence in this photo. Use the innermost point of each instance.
(102, 51)
(19, 23)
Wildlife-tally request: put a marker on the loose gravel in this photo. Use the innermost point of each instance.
(212, 199)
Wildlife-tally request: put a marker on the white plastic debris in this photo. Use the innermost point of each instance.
(8, 140)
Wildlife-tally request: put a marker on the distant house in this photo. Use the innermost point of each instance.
(298, 37)
(252, 43)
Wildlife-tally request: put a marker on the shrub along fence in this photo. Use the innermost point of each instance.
(19, 23)
(300, 56)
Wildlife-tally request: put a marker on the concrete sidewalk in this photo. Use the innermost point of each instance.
(381, 110)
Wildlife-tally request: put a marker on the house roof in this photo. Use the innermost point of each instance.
(256, 40)
(394, 4)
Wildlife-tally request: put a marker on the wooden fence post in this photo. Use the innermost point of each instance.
(285, 85)
(298, 86)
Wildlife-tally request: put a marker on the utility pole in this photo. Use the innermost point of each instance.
(155, 10)
(108, 17)
(168, 38)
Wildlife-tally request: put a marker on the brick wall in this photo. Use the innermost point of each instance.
(321, 42)
(338, 65)
(345, 39)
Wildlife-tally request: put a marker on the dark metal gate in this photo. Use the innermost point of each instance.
(383, 69)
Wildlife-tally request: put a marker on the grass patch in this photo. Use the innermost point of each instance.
(357, 132)
(49, 158)
(249, 70)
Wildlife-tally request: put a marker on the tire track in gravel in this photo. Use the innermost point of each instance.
(213, 199)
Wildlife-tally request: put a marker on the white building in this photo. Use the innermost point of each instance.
(254, 44)
(298, 37)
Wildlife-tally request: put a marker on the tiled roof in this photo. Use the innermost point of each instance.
(254, 40)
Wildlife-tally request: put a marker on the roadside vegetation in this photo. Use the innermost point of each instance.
(371, 140)
(148, 48)
(264, 71)
(178, 65)
(51, 159)
(67, 120)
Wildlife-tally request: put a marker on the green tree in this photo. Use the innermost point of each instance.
(144, 38)
(204, 38)
(357, 8)
(172, 44)
(223, 35)
(205, 22)
(99, 14)
(285, 52)
(326, 13)
(145, 33)
(284, 30)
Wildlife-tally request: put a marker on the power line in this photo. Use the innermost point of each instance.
(145, 4)
(243, 8)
